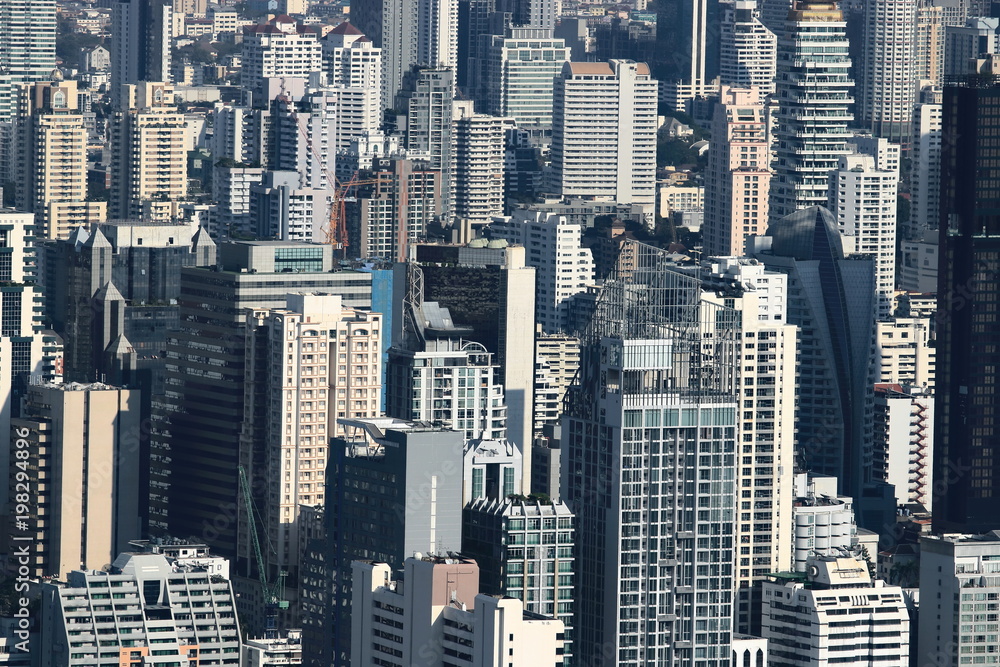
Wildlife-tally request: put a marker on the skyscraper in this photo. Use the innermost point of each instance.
(409, 32)
(832, 300)
(888, 71)
(814, 93)
(354, 70)
(688, 40)
(140, 44)
(925, 176)
(479, 165)
(748, 49)
(604, 133)
(966, 467)
(649, 449)
(27, 39)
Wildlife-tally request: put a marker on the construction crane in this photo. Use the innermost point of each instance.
(336, 230)
(272, 592)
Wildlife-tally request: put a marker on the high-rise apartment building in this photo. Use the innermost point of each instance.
(604, 133)
(500, 535)
(314, 362)
(520, 71)
(148, 155)
(280, 48)
(557, 359)
(835, 614)
(437, 616)
(906, 352)
(928, 53)
(231, 188)
(958, 627)
(169, 605)
(649, 464)
(738, 176)
(925, 174)
(52, 172)
(967, 335)
(354, 70)
(767, 349)
(904, 441)
(140, 45)
(563, 266)
(748, 50)
(87, 480)
(282, 208)
(409, 33)
(863, 199)
(427, 99)
(479, 165)
(814, 99)
(887, 73)
(688, 43)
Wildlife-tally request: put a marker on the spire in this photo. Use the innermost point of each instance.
(109, 292)
(97, 239)
(78, 237)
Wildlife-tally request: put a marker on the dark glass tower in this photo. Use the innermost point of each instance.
(966, 443)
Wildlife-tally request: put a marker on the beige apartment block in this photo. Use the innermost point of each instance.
(148, 156)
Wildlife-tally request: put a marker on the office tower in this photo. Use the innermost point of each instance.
(137, 261)
(414, 477)
(557, 359)
(836, 317)
(353, 68)
(20, 324)
(824, 521)
(654, 492)
(501, 534)
(604, 133)
(281, 207)
(748, 49)
(412, 32)
(906, 352)
(311, 362)
(925, 174)
(766, 423)
(427, 99)
(52, 171)
(963, 44)
(99, 463)
(436, 615)
(396, 211)
(738, 177)
(863, 199)
(962, 570)
(185, 605)
(197, 429)
(832, 607)
(814, 93)
(148, 156)
(688, 40)
(140, 45)
(281, 48)
(438, 376)
(479, 166)
(521, 67)
(887, 73)
(904, 441)
(491, 291)
(966, 333)
(564, 267)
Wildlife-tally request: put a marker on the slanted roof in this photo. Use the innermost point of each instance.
(599, 69)
(346, 28)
